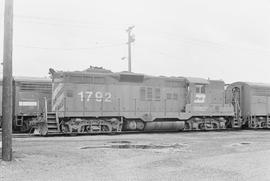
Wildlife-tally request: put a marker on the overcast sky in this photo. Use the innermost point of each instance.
(215, 39)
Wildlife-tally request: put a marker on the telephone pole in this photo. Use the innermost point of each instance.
(131, 39)
(7, 83)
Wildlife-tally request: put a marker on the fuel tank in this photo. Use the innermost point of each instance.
(164, 126)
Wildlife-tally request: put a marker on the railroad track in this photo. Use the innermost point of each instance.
(27, 135)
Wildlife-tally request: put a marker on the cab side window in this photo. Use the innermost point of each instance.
(200, 89)
(200, 95)
(203, 89)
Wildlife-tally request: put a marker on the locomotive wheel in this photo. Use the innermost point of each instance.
(43, 130)
(201, 126)
(252, 124)
(105, 128)
(87, 129)
(215, 126)
(64, 128)
(25, 127)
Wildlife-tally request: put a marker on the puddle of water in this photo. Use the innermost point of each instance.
(135, 146)
(121, 142)
(240, 144)
(130, 146)
(245, 143)
(94, 147)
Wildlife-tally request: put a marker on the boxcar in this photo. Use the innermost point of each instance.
(29, 94)
(98, 100)
(251, 102)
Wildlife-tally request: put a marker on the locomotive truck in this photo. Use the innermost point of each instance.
(99, 101)
(29, 94)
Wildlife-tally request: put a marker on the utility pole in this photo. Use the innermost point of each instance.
(7, 83)
(131, 39)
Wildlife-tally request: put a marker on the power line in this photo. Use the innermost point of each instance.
(65, 22)
(86, 26)
(213, 44)
(68, 49)
(53, 19)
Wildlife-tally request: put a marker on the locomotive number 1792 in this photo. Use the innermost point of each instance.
(97, 96)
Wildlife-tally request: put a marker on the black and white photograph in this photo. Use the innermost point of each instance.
(134, 90)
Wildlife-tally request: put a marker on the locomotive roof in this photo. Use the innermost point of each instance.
(254, 84)
(197, 80)
(32, 79)
(104, 72)
(85, 73)
(108, 73)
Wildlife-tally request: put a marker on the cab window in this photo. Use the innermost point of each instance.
(200, 89)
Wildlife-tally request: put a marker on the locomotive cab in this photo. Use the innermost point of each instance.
(196, 94)
(206, 104)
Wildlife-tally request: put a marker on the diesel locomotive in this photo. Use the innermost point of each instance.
(251, 102)
(99, 101)
(29, 97)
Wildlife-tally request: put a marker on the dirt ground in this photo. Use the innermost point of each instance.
(230, 155)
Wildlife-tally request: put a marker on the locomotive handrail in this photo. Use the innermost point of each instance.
(46, 108)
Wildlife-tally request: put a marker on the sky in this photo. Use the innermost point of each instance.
(216, 39)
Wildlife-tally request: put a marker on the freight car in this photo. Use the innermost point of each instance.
(251, 102)
(97, 100)
(29, 94)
